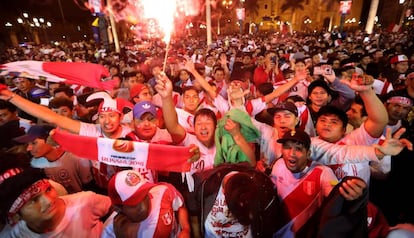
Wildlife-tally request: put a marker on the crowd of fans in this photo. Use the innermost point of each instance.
(289, 136)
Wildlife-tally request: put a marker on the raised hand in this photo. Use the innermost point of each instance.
(360, 83)
(189, 65)
(163, 85)
(393, 145)
(223, 59)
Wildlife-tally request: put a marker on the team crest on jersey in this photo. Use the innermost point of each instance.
(167, 218)
(309, 187)
(132, 179)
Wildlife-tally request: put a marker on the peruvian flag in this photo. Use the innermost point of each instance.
(86, 74)
(126, 153)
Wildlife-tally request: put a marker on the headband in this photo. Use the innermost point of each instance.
(400, 100)
(35, 189)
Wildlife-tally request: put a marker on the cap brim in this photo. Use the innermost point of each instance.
(25, 138)
(139, 195)
(272, 111)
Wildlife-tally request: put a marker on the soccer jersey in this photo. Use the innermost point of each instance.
(161, 222)
(302, 193)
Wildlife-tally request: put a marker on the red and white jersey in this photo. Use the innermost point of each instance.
(220, 222)
(305, 119)
(382, 87)
(185, 119)
(252, 107)
(219, 106)
(302, 193)
(222, 88)
(161, 222)
(299, 89)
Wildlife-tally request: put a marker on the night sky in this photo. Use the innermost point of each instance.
(10, 10)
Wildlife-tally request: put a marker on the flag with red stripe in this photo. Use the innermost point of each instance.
(86, 74)
(126, 153)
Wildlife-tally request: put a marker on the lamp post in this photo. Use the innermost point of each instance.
(241, 15)
(404, 14)
(44, 25)
(307, 21)
(226, 4)
(12, 34)
(30, 25)
(27, 25)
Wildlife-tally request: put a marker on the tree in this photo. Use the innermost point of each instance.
(293, 5)
(252, 6)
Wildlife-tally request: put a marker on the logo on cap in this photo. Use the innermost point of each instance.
(132, 179)
(146, 106)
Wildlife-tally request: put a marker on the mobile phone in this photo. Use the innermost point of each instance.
(323, 69)
(327, 69)
(44, 101)
(273, 59)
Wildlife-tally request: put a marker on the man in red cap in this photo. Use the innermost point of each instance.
(139, 92)
(396, 74)
(145, 209)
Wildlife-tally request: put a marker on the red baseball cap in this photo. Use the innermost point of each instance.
(137, 89)
(128, 187)
(398, 59)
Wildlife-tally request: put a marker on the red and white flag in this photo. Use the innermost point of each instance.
(126, 153)
(85, 74)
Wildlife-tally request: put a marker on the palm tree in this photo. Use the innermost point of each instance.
(293, 5)
(330, 4)
(252, 6)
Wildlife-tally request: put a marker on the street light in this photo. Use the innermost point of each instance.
(227, 3)
(307, 21)
(30, 25)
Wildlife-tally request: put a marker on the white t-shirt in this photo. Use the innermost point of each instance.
(221, 223)
(81, 218)
(358, 136)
